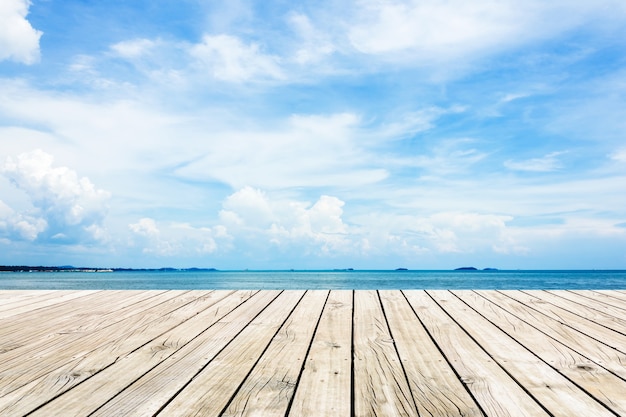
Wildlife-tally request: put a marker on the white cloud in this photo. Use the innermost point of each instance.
(145, 227)
(16, 226)
(256, 220)
(442, 232)
(314, 46)
(133, 48)
(72, 207)
(176, 239)
(307, 150)
(448, 157)
(437, 31)
(619, 155)
(227, 58)
(250, 206)
(19, 41)
(546, 163)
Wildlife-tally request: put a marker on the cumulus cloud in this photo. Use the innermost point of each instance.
(258, 224)
(176, 239)
(19, 41)
(437, 233)
(17, 226)
(249, 206)
(253, 218)
(72, 207)
(228, 58)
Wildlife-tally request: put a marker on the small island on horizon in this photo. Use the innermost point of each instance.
(471, 268)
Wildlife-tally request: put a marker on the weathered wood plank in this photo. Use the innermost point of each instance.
(45, 304)
(380, 385)
(268, 389)
(60, 342)
(14, 295)
(604, 386)
(596, 351)
(436, 389)
(620, 295)
(11, 298)
(533, 299)
(614, 318)
(497, 393)
(80, 316)
(463, 353)
(211, 390)
(597, 313)
(604, 297)
(112, 378)
(48, 380)
(325, 383)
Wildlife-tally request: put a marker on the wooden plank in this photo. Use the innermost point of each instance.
(619, 295)
(11, 295)
(550, 388)
(533, 299)
(268, 389)
(495, 391)
(612, 317)
(11, 298)
(210, 391)
(142, 353)
(380, 385)
(79, 317)
(325, 383)
(39, 305)
(112, 378)
(435, 387)
(38, 322)
(602, 385)
(596, 351)
(604, 297)
(54, 342)
(115, 342)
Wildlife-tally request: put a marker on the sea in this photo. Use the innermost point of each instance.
(332, 279)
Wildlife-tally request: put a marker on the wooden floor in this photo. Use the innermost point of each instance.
(313, 353)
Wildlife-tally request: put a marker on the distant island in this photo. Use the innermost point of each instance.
(25, 268)
(471, 268)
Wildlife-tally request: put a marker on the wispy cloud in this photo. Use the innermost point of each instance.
(547, 163)
(227, 58)
(278, 134)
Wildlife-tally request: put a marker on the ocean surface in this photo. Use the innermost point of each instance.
(358, 280)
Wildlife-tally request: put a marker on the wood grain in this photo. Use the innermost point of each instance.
(380, 385)
(325, 382)
(312, 353)
(435, 387)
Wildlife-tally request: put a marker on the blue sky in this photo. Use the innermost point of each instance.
(327, 134)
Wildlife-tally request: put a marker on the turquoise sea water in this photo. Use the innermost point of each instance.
(142, 280)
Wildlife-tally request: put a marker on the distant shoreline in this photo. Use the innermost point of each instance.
(25, 268)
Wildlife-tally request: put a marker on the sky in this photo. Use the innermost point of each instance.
(366, 134)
